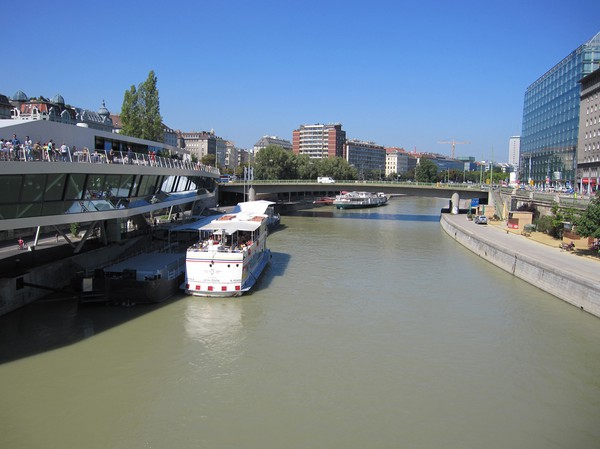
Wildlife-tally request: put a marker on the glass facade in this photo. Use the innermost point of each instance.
(33, 195)
(551, 119)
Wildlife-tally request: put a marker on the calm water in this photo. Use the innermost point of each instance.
(370, 329)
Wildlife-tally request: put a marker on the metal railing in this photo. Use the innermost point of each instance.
(331, 186)
(43, 154)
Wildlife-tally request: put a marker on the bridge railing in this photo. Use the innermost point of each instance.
(563, 199)
(460, 186)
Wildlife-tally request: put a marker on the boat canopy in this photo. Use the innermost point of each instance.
(246, 209)
(196, 225)
(230, 227)
(254, 207)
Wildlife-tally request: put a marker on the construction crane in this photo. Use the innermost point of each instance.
(453, 143)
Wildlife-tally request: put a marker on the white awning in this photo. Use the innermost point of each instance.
(229, 227)
(195, 225)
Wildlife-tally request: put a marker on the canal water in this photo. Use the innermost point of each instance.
(370, 329)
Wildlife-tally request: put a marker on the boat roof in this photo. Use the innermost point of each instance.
(229, 227)
(255, 207)
(144, 262)
(243, 214)
(195, 225)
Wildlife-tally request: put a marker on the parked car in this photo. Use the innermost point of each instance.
(480, 219)
(325, 180)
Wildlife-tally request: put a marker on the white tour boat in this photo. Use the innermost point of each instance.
(231, 254)
(356, 200)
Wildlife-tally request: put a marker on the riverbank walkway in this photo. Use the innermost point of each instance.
(541, 250)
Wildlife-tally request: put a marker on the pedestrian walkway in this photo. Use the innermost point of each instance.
(541, 263)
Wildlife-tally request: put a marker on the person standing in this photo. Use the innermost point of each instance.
(50, 150)
(16, 144)
(27, 149)
(64, 152)
(130, 155)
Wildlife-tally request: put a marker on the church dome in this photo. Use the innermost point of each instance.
(58, 99)
(19, 96)
(103, 111)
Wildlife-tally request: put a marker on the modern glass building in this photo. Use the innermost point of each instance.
(551, 119)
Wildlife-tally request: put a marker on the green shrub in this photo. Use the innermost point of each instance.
(545, 224)
(75, 229)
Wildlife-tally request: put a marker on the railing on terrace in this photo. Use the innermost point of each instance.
(563, 199)
(100, 157)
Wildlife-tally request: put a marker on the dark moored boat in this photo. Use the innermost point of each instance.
(145, 278)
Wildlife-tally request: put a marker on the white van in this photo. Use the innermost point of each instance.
(325, 180)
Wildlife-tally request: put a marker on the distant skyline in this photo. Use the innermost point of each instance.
(397, 73)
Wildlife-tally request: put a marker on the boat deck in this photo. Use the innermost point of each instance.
(146, 264)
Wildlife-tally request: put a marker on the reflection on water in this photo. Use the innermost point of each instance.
(217, 325)
(366, 214)
(51, 324)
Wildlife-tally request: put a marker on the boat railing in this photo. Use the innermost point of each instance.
(212, 245)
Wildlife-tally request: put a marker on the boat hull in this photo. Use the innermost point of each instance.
(142, 279)
(120, 290)
(143, 292)
(217, 289)
(358, 206)
(232, 252)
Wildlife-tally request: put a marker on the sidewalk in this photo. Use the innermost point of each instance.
(545, 239)
(571, 276)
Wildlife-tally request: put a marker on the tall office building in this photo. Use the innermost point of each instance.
(514, 150)
(319, 141)
(551, 119)
(367, 157)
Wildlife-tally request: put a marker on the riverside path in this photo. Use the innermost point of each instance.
(567, 275)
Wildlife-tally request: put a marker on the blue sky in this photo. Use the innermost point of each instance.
(405, 74)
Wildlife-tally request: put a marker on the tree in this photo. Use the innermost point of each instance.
(140, 111)
(426, 171)
(588, 223)
(152, 128)
(306, 168)
(274, 162)
(407, 176)
(130, 115)
(209, 159)
(336, 167)
(559, 217)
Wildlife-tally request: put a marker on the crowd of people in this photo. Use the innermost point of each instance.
(14, 149)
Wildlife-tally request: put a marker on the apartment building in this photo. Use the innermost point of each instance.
(319, 141)
(588, 145)
(265, 141)
(367, 157)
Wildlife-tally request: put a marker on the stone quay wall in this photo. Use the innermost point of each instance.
(60, 273)
(576, 290)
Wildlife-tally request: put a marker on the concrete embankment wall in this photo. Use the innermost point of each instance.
(574, 289)
(59, 274)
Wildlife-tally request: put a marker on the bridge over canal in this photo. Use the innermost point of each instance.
(298, 190)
